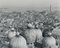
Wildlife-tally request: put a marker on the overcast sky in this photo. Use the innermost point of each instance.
(29, 3)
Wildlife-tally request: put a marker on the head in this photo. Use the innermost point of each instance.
(47, 33)
(17, 34)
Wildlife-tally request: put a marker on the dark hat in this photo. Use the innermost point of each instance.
(46, 31)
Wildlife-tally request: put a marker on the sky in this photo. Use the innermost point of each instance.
(29, 3)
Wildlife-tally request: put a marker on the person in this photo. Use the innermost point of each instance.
(49, 41)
